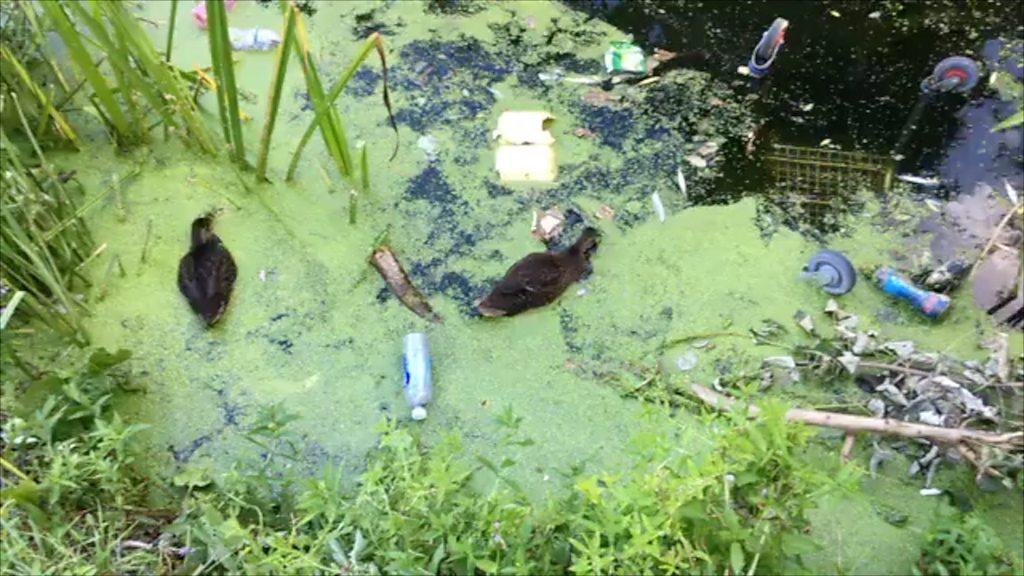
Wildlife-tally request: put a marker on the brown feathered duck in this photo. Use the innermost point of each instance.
(207, 273)
(539, 278)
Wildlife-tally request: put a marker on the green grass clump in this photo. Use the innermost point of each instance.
(73, 500)
(963, 544)
(131, 82)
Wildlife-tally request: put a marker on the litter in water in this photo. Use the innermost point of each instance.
(624, 56)
(927, 182)
(687, 361)
(524, 127)
(428, 143)
(199, 12)
(659, 208)
(548, 225)
(416, 364)
(696, 161)
(253, 39)
(531, 163)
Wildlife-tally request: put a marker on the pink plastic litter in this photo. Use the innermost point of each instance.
(199, 12)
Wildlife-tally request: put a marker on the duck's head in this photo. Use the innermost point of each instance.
(202, 230)
(587, 242)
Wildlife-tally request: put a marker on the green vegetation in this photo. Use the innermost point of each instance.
(73, 501)
(963, 544)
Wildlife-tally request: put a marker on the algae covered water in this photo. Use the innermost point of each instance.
(313, 331)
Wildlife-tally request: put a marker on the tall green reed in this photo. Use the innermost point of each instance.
(224, 72)
(43, 240)
(133, 83)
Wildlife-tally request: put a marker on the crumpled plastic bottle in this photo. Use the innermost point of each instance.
(258, 39)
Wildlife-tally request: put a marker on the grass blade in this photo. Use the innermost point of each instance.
(170, 43)
(224, 69)
(44, 101)
(9, 309)
(330, 124)
(280, 69)
(336, 89)
(83, 61)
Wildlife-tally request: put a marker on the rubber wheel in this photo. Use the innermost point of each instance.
(845, 274)
(772, 38)
(966, 69)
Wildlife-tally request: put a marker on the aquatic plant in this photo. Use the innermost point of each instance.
(139, 75)
(962, 544)
(737, 507)
(224, 73)
(43, 240)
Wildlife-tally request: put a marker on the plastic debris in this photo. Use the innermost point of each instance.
(416, 365)
(832, 270)
(930, 492)
(624, 56)
(687, 361)
(428, 143)
(199, 12)
(254, 39)
(925, 181)
(531, 163)
(803, 319)
(548, 224)
(767, 48)
(524, 127)
(931, 304)
(525, 154)
(849, 361)
(605, 212)
(708, 149)
(681, 182)
(875, 15)
(697, 161)
(659, 208)
(386, 263)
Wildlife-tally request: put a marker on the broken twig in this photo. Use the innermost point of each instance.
(852, 423)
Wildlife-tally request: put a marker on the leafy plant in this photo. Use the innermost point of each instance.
(963, 544)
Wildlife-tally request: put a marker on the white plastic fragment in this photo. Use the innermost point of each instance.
(659, 208)
(687, 361)
(681, 181)
(532, 163)
(930, 492)
(428, 143)
(524, 127)
(697, 161)
(258, 39)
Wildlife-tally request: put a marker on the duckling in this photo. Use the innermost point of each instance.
(207, 273)
(539, 278)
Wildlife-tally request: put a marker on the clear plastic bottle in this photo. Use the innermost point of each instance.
(416, 364)
(258, 39)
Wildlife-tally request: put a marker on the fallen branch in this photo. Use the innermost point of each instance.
(992, 239)
(853, 424)
(848, 442)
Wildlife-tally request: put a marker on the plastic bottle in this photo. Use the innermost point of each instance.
(416, 364)
(931, 304)
(260, 39)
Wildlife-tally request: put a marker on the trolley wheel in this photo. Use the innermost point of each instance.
(835, 272)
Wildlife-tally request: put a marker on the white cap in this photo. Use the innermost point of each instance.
(419, 413)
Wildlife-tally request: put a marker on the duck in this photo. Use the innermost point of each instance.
(540, 278)
(207, 273)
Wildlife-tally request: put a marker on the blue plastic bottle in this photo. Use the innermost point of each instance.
(931, 304)
(416, 363)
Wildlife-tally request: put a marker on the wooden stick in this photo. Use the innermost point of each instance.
(995, 235)
(852, 423)
(848, 442)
